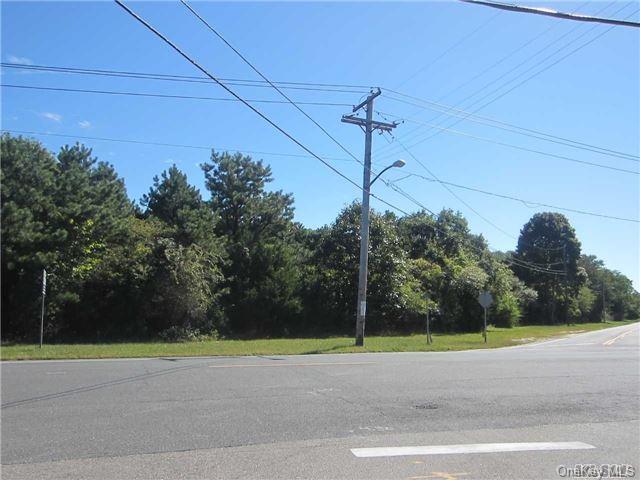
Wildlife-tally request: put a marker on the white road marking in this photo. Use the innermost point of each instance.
(318, 364)
(468, 448)
(573, 345)
(613, 340)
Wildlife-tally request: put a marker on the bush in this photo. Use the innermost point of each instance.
(185, 334)
(506, 311)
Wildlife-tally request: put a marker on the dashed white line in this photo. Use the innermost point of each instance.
(467, 448)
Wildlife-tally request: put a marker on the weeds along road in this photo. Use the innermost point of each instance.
(530, 410)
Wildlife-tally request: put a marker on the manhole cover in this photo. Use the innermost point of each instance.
(426, 406)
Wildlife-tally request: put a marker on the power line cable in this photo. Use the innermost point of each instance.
(455, 195)
(515, 68)
(173, 145)
(450, 49)
(523, 264)
(519, 147)
(267, 119)
(254, 109)
(480, 90)
(284, 95)
(255, 69)
(509, 127)
(527, 78)
(446, 187)
(552, 13)
(500, 61)
(527, 203)
(506, 57)
(183, 78)
(162, 95)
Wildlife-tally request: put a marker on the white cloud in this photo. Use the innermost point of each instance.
(56, 117)
(20, 60)
(84, 124)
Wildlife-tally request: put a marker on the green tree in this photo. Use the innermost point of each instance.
(549, 242)
(331, 300)
(262, 274)
(177, 203)
(31, 238)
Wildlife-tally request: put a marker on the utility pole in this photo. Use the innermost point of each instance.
(368, 126)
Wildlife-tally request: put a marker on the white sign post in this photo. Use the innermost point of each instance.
(44, 294)
(485, 300)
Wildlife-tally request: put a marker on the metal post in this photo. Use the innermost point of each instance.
(44, 293)
(566, 281)
(484, 332)
(604, 308)
(364, 230)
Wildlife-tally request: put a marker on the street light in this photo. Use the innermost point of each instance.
(396, 164)
(364, 253)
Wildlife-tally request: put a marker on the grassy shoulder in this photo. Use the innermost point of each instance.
(497, 337)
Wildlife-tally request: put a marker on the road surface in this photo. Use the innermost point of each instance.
(531, 410)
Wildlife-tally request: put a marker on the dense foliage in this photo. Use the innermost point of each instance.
(178, 266)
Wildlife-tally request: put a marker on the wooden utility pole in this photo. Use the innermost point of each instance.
(368, 125)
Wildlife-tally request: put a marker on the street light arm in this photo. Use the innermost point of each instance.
(396, 164)
(376, 177)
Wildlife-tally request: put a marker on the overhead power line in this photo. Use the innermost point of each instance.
(430, 105)
(521, 263)
(258, 112)
(245, 102)
(472, 79)
(316, 87)
(456, 196)
(172, 145)
(162, 95)
(502, 59)
(255, 69)
(509, 127)
(450, 49)
(390, 184)
(552, 13)
(528, 78)
(527, 203)
(525, 149)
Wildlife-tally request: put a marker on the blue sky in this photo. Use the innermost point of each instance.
(591, 96)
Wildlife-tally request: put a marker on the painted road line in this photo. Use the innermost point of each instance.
(613, 340)
(260, 365)
(468, 448)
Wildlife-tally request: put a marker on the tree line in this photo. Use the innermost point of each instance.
(176, 266)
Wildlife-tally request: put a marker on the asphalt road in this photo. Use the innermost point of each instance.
(306, 416)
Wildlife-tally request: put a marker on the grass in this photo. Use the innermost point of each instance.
(497, 337)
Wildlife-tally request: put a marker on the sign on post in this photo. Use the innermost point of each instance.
(485, 299)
